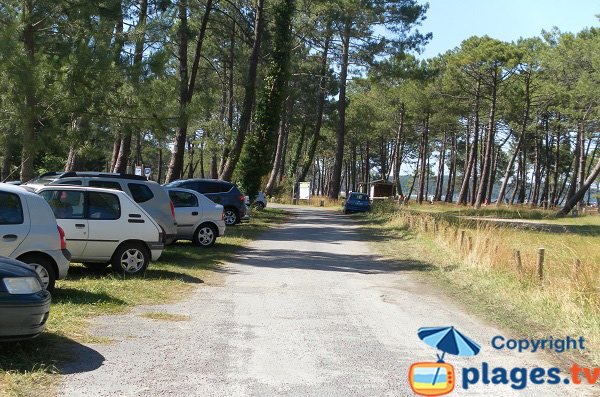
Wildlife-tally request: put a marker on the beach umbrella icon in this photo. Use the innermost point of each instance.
(448, 340)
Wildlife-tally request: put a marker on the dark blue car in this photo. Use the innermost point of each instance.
(357, 202)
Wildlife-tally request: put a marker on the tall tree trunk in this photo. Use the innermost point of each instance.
(28, 140)
(187, 84)
(439, 186)
(472, 163)
(580, 193)
(489, 144)
(124, 152)
(277, 163)
(227, 149)
(424, 172)
(452, 171)
(554, 200)
(312, 148)
(341, 128)
(576, 163)
(398, 152)
(249, 94)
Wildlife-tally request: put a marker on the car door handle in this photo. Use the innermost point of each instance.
(9, 237)
(195, 213)
(79, 225)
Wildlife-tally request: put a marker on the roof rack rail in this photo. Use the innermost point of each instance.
(109, 175)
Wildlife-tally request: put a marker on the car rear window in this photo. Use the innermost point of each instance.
(103, 206)
(66, 204)
(183, 199)
(11, 211)
(361, 197)
(140, 193)
(106, 184)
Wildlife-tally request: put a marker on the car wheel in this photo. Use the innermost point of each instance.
(259, 205)
(231, 216)
(43, 268)
(205, 235)
(131, 259)
(95, 266)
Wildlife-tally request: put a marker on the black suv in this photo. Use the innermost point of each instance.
(221, 192)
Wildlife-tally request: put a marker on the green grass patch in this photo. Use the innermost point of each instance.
(30, 368)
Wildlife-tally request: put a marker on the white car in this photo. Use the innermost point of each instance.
(259, 201)
(29, 233)
(105, 226)
(198, 218)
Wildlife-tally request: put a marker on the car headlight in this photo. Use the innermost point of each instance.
(22, 285)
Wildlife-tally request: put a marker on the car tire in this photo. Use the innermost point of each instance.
(346, 211)
(205, 235)
(43, 267)
(95, 266)
(231, 216)
(130, 259)
(259, 205)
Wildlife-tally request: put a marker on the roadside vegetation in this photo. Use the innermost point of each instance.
(482, 270)
(31, 368)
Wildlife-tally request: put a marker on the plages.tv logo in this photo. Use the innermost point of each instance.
(438, 378)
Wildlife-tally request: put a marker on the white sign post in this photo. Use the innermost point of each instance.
(138, 170)
(304, 190)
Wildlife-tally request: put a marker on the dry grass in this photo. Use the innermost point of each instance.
(314, 201)
(31, 368)
(161, 316)
(479, 262)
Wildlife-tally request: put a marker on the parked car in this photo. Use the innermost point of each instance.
(148, 194)
(357, 202)
(221, 192)
(259, 201)
(29, 233)
(198, 218)
(105, 226)
(24, 303)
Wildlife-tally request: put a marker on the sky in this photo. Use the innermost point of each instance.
(452, 21)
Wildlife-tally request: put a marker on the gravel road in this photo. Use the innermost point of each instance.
(307, 310)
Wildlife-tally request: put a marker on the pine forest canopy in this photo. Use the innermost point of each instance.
(271, 92)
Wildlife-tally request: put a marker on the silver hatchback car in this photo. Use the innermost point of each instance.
(29, 233)
(148, 194)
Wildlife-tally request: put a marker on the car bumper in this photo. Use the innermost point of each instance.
(62, 259)
(24, 316)
(357, 208)
(156, 250)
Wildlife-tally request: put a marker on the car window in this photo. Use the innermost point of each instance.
(140, 193)
(105, 184)
(103, 206)
(11, 211)
(66, 204)
(68, 182)
(209, 187)
(183, 199)
(190, 185)
(225, 187)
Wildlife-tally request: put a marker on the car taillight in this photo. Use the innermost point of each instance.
(223, 215)
(61, 233)
(172, 210)
(242, 198)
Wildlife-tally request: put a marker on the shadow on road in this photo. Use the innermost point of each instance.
(47, 353)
